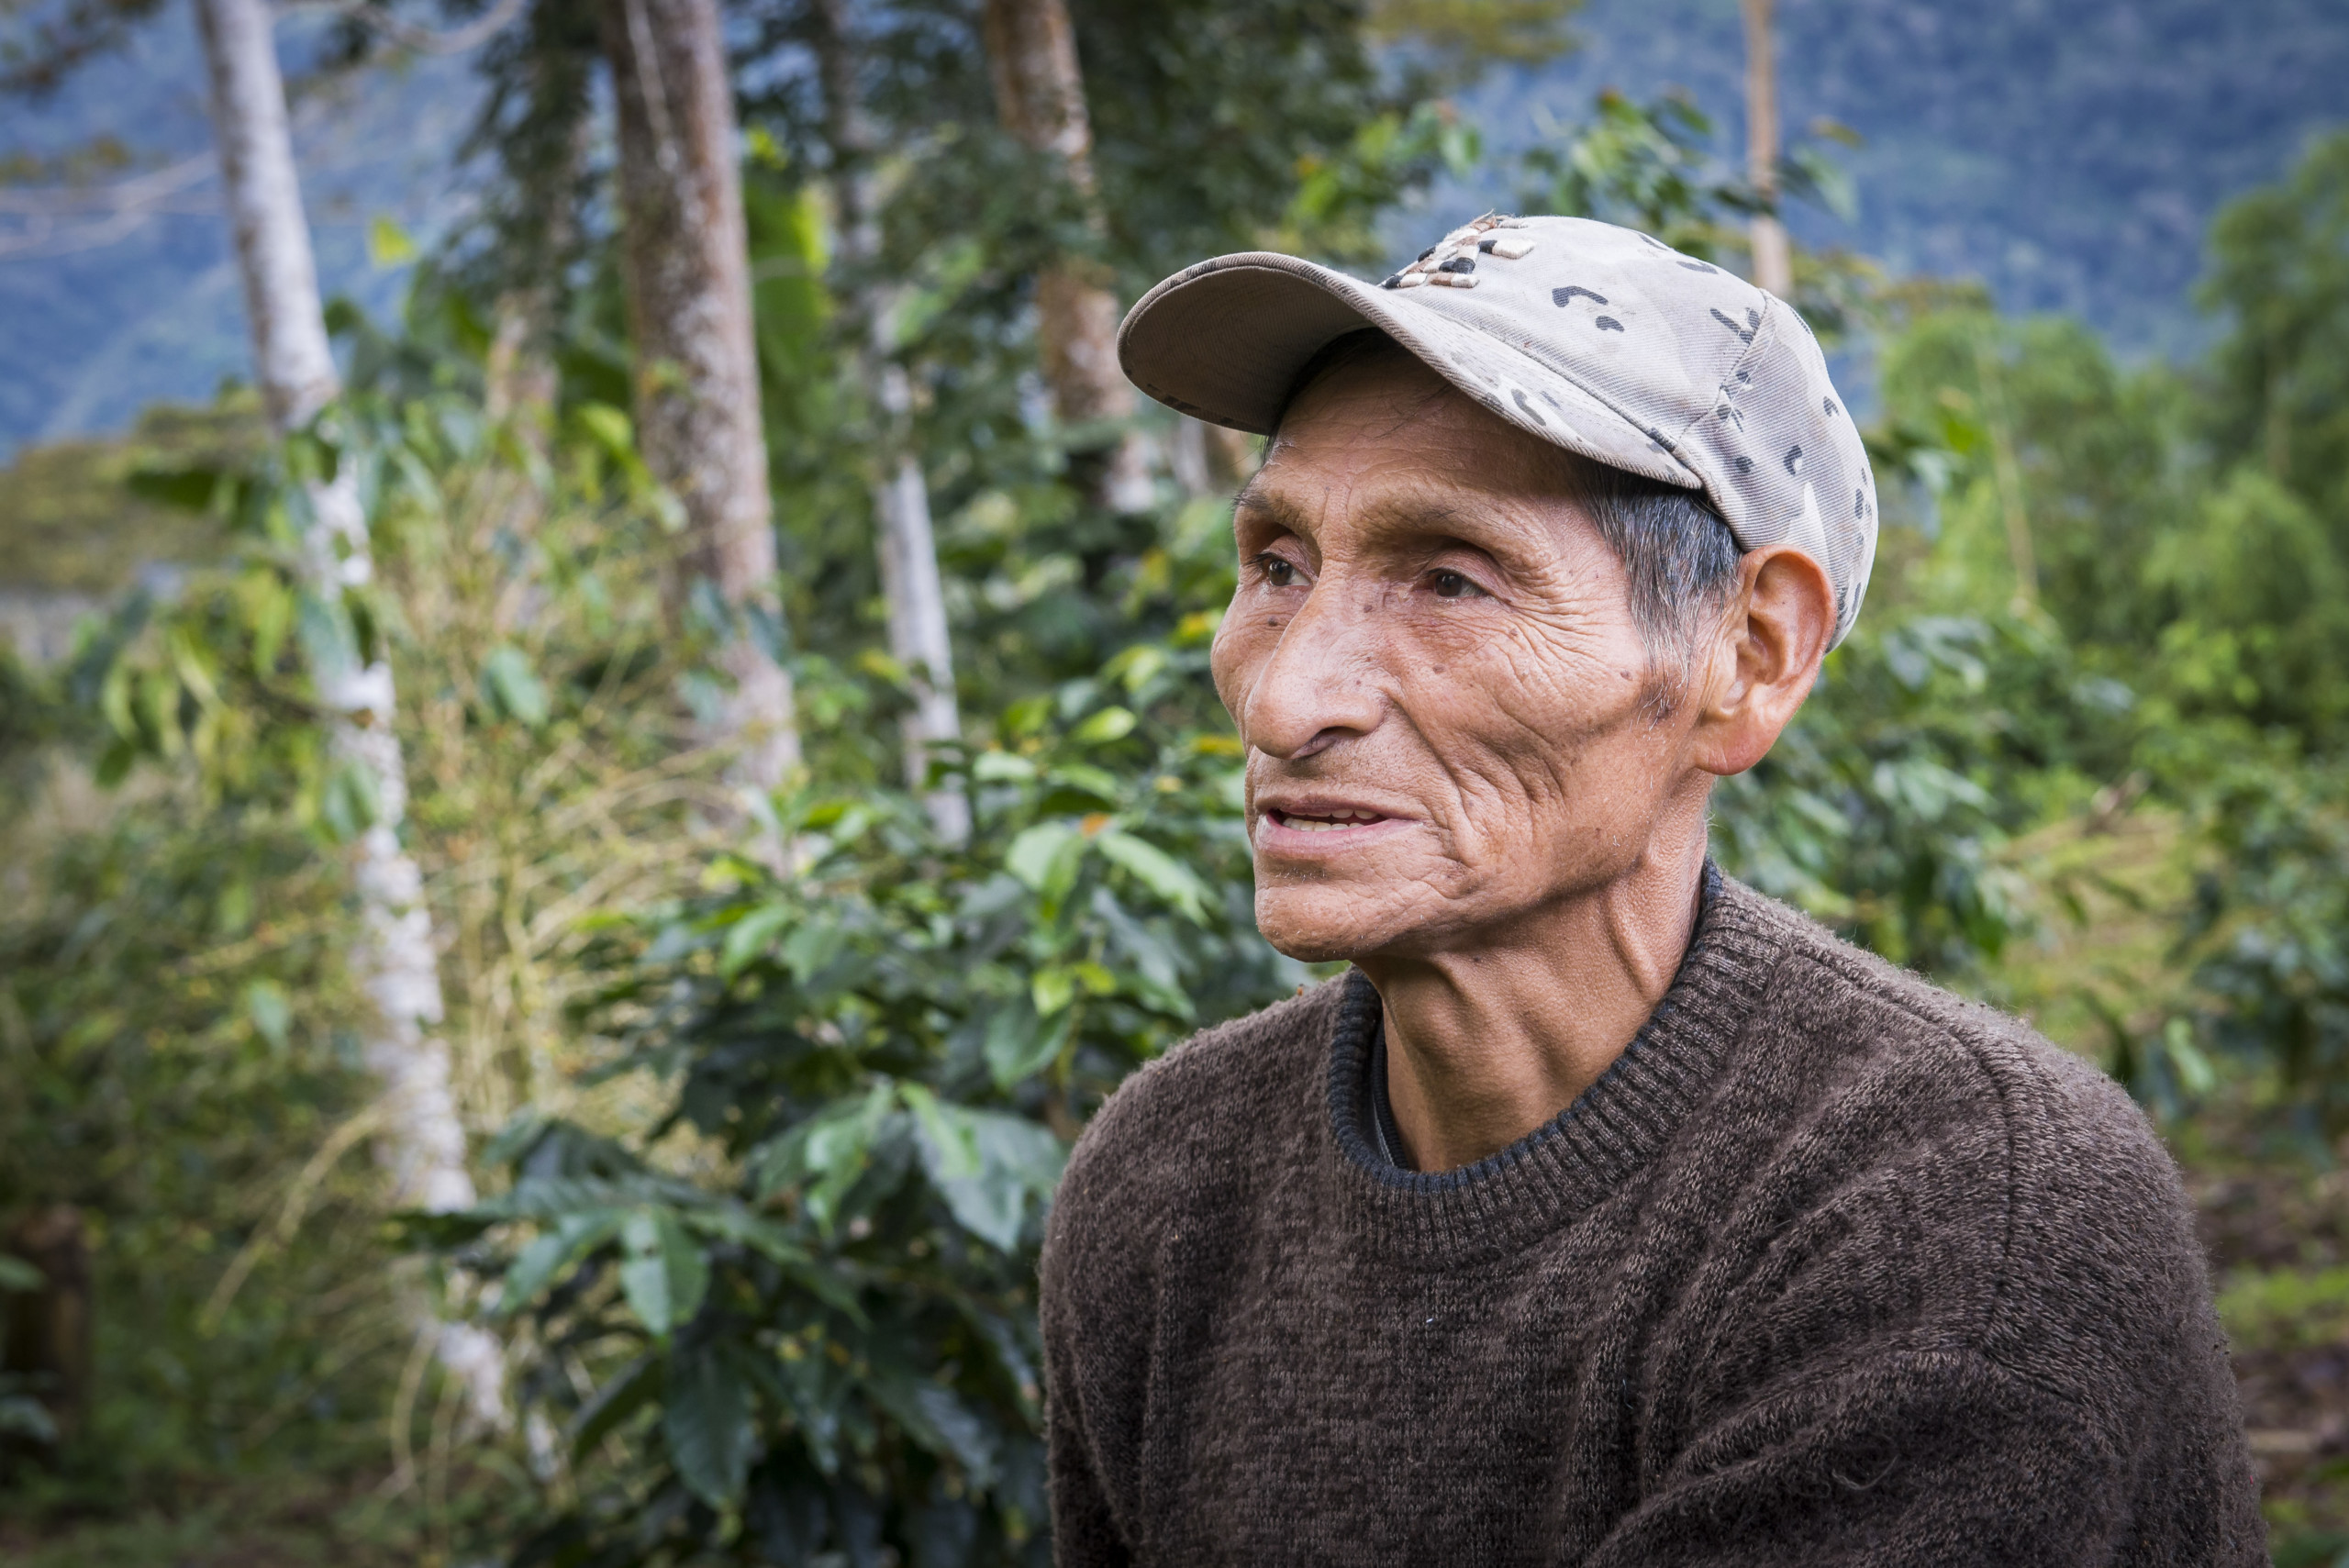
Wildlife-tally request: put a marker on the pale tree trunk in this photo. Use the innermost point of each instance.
(1773, 266)
(1039, 96)
(685, 258)
(520, 385)
(908, 552)
(1211, 460)
(423, 1143)
(519, 377)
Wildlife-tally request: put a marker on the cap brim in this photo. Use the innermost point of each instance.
(1225, 341)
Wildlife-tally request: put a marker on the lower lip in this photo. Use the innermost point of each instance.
(1272, 833)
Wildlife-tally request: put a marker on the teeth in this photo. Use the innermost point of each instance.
(1329, 823)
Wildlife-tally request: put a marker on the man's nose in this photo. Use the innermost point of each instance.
(1320, 684)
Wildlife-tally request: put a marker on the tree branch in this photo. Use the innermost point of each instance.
(408, 35)
(45, 218)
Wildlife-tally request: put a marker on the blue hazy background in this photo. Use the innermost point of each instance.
(2068, 154)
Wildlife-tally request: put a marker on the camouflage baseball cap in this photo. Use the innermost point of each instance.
(1600, 339)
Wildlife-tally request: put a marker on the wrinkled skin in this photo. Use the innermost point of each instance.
(1458, 776)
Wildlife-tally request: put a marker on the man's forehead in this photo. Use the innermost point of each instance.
(1393, 435)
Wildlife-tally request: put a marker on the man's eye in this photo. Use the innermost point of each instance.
(1277, 572)
(1455, 585)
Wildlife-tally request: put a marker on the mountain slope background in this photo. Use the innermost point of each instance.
(2068, 152)
(91, 333)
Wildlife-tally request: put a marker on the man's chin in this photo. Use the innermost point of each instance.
(1320, 925)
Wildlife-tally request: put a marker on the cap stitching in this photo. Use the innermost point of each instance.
(1765, 338)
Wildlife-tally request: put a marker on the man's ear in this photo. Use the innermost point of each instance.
(1762, 661)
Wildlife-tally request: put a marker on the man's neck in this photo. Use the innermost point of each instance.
(1486, 1042)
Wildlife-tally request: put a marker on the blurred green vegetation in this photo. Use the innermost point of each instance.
(70, 522)
(767, 1150)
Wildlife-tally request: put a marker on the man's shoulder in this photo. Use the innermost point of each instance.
(1200, 1110)
(2028, 1184)
(1899, 1028)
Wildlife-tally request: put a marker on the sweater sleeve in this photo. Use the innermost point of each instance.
(1084, 1533)
(1090, 1302)
(1930, 1457)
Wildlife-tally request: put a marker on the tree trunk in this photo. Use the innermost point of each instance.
(908, 552)
(424, 1144)
(1211, 460)
(685, 257)
(1773, 266)
(1039, 96)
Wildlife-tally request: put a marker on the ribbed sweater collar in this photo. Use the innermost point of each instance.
(1510, 1199)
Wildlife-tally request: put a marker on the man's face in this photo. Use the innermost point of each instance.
(1432, 659)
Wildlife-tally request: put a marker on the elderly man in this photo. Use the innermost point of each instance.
(1606, 1212)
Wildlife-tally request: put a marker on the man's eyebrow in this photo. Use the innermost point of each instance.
(1254, 497)
(1386, 515)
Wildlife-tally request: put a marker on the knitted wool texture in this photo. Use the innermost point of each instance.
(1830, 1267)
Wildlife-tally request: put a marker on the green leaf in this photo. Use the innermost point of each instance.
(748, 936)
(810, 949)
(114, 701)
(1002, 767)
(116, 763)
(967, 1437)
(826, 1154)
(1152, 956)
(1136, 666)
(948, 1147)
(732, 1224)
(1026, 715)
(1019, 1042)
(187, 489)
(272, 616)
(272, 1015)
(665, 1277)
(1034, 854)
(388, 244)
(609, 427)
(624, 1395)
(707, 1424)
(19, 1277)
(937, 1418)
(1055, 987)
(1156, 869)
(990, 1167)
(1100, 783)
(1109, 724)
(330, 642)
(2195, 1073)
(24, 1418)
(511, 687)
(549, 1253)
(347, 804)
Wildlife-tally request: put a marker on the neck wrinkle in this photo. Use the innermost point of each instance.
(1590, 1150)
(1484, 1045)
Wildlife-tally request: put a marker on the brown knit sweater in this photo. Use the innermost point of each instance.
(1830, 1267)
